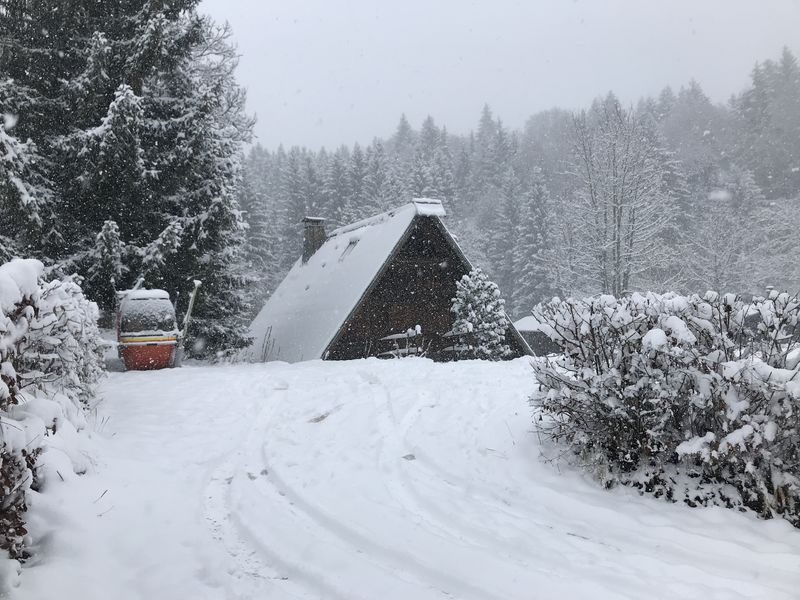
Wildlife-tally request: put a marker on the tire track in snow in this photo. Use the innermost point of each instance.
(517, 513)
(506, 515)
(425, 506)
(300, 526)
(255, 566)
(372, 555)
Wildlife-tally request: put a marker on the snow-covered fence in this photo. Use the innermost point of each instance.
(50, 362)
(696, 399)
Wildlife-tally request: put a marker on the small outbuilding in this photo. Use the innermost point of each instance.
(538, 342)
(374, 288)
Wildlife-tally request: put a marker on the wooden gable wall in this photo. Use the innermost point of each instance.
(415, 287)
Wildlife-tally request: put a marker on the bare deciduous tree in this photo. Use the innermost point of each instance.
(623, 205)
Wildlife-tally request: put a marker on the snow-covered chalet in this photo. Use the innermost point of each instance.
(377, 287)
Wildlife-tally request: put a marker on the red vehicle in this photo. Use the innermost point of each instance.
(147, 330)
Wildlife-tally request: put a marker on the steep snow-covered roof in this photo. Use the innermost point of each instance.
(528, 323)
(309, 307)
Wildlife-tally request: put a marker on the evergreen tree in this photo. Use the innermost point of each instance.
(293, 197)
(356, 203)
(378, 195)
(403, 139)
(112, 175)
(480, 316)
(25, 194)
(533, 254)
(139, 120)
(769, 117)
(106, 264)
(336, 190)
(502, 229)
(262, 249)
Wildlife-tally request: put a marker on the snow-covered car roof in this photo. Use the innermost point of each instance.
(144, 295)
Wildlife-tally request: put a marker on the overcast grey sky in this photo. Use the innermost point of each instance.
(330, 72)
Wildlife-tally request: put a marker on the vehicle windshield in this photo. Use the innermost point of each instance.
(147, 315)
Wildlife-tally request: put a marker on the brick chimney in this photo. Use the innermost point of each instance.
(313, 236)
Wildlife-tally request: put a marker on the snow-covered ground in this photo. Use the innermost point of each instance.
(368, 480)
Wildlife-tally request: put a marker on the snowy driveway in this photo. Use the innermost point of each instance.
(370, 480)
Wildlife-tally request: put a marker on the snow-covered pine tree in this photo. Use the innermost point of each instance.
(107, 264)
(376, 180)
(313, 181)
(356, 174)
(336, 189)
(485, 173)
(421, 177)
(403, 139)
(442, 173)
(497, 231)
(142, 121)
(480, 316)
(212, 230)
(397, 189)
(768, 121)
(533, 255)
(262, 251)
(112, 179)
(25, 194)
(293, 199)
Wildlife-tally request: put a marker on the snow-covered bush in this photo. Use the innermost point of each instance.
(696, 399)
(480, 316)
(50, 362)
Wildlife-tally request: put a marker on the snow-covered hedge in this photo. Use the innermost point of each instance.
(50, 362)
(696, 399)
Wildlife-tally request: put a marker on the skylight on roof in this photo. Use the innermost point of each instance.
(352, 244)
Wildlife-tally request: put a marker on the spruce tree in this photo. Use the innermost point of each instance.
(107, 267)
(262, 250)
(533, 255)
(138, 120)
(480, 316)
(377, 192)
(337, 190)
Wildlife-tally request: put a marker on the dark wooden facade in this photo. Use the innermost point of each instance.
(414, 288)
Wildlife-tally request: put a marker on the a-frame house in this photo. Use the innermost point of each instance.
(356, 291)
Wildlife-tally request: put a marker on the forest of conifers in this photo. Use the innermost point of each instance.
(674, 193)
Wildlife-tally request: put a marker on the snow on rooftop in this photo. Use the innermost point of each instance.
(428, 207)
(528, 323)
(303, 315)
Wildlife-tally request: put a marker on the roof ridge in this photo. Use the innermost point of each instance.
(421, 206)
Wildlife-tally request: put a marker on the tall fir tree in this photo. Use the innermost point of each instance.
(533, 255)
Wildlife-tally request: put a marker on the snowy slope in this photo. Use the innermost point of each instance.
(365, 480)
